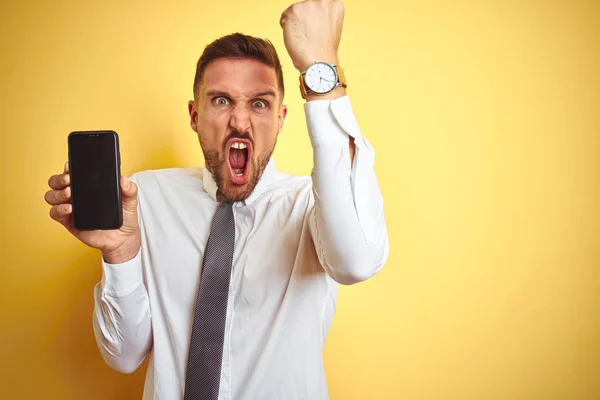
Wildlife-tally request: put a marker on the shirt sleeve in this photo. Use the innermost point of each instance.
(347, 221)
(121, 317)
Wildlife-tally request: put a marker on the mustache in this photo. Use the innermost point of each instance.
(237, 135)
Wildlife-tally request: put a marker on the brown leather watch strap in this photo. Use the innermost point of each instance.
(303, 90)
(341, 76)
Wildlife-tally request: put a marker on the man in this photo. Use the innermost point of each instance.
(243, 315)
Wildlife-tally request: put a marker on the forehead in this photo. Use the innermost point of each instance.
(238, 76)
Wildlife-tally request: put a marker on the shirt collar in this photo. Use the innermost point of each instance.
(265, 180)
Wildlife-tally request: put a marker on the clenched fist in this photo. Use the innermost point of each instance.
(312, 30)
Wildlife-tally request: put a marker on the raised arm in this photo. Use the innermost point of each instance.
(347, 222)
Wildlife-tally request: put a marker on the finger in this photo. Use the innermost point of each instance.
(128, 188)
(283, 17)
(66, 169)
(129, 191)
(286, 13)
(59, 182)
(61, 213)
(55, 197)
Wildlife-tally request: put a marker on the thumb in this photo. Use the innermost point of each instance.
(129, 191)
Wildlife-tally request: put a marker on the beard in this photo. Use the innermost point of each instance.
(217, 164)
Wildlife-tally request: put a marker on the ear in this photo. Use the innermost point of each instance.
(281, 117)
(193, 115)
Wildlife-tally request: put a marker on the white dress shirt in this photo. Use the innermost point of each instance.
(296, 239)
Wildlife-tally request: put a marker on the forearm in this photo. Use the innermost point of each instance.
(121, 318)
(335, 94)
(347, 222)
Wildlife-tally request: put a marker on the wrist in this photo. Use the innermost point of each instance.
(336, 93)
(323, 80)
(126, 252)
(303, 65)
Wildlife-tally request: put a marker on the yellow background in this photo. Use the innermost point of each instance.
(485, 117)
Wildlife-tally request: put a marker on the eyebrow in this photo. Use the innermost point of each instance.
(266, 93)
(213, 93)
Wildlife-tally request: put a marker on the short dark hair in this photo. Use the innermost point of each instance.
(238, 45)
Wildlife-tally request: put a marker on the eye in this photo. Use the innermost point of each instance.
(259, 104)
(221, 101)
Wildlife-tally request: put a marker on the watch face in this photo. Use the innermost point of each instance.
(320, 77)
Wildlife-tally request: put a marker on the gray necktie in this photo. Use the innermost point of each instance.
(208, 330)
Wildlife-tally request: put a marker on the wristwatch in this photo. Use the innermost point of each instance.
(321, 78)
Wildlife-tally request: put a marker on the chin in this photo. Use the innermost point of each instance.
(233, 191)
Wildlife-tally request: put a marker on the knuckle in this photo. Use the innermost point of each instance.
(294, 8)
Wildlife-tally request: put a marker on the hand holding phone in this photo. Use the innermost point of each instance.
(117, 245)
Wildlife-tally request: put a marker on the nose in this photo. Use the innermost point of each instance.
(240, 119)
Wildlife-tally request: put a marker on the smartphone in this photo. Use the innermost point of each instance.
(95, 169)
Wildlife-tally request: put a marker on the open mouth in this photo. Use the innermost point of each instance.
(238, 157)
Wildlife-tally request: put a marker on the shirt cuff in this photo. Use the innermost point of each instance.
(122, 279)
(331, 121)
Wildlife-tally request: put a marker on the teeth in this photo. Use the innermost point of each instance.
(238, 145)
(239, 175)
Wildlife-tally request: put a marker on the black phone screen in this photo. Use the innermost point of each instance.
(95, 170)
